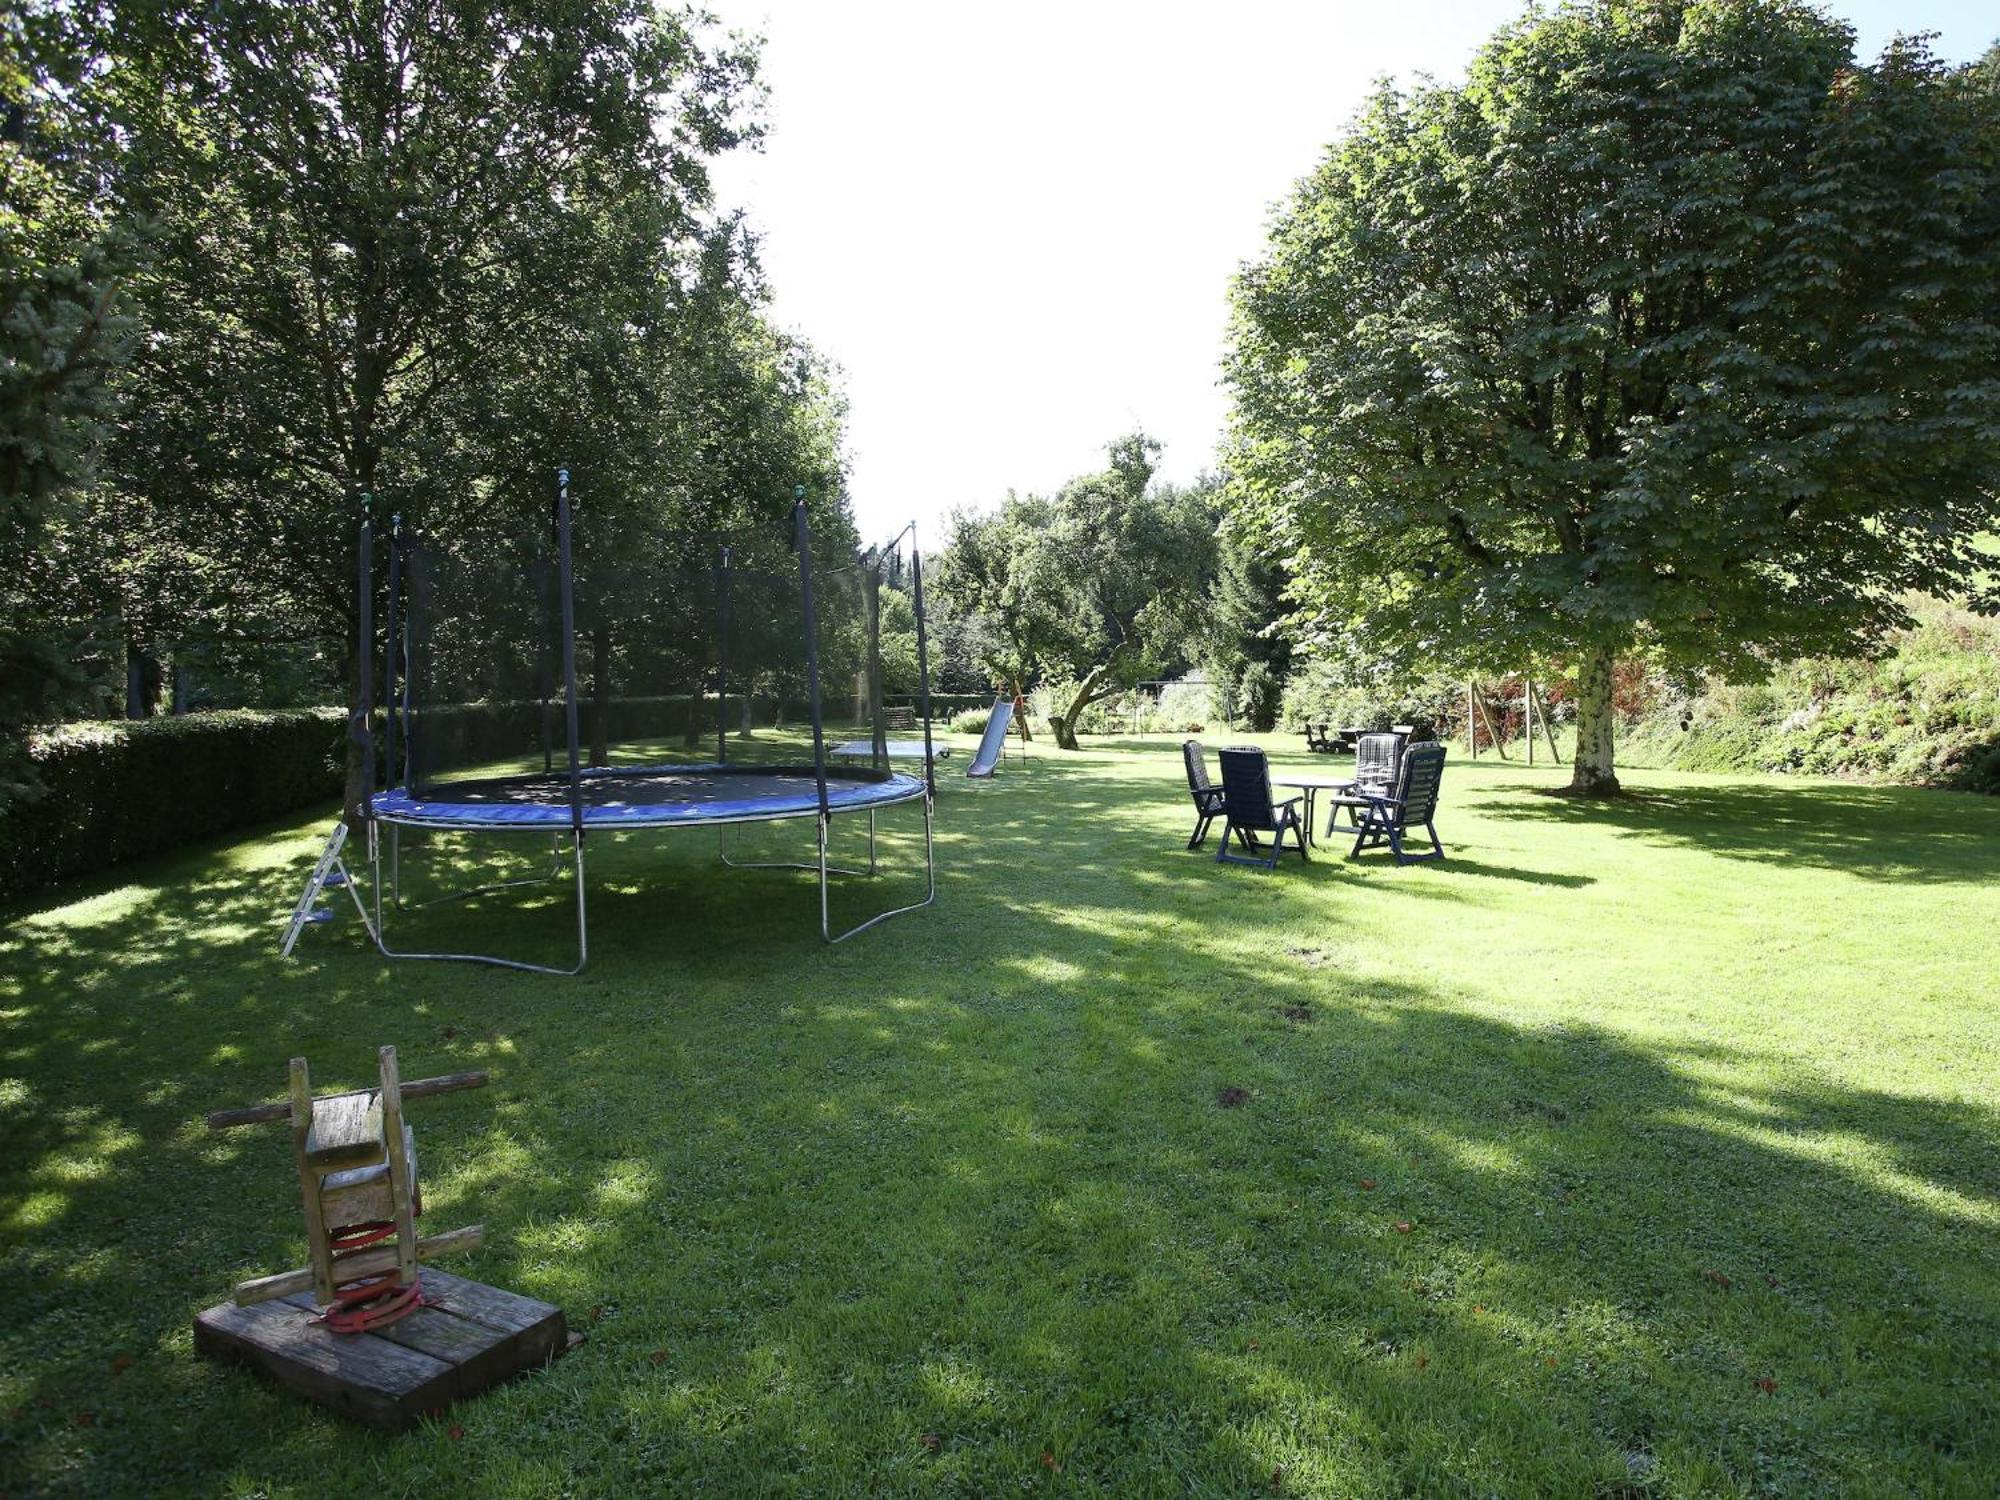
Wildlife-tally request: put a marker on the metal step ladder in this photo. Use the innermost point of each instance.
(329, 874)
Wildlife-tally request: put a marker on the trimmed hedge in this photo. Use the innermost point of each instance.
(118, 791)
(112, 792)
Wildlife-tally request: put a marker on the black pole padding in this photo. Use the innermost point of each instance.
(394, 731)
(568, 650)
(923, 658)
(544, 642)
(802, 539)
(722, 669)
(362, 727)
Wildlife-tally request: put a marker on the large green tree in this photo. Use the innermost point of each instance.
(1094, 588)
(64, 331)
(419, 251)
(1672, 329)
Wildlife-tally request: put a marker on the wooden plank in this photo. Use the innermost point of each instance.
(369, 1379)
(346, 1130)
(393, 1376)
(505, 1311)
(481, 1353)
(423, 1088)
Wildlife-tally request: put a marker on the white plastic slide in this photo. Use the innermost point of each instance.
(994, 741)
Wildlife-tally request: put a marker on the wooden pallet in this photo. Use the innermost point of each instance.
(466, 1339)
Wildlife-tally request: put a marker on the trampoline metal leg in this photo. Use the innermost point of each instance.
(555, 871)
(930, 880)
(722, 835)
(380, 935)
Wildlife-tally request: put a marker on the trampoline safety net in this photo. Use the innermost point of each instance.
(605, 670)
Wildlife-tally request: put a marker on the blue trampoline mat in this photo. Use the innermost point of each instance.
(644, 797)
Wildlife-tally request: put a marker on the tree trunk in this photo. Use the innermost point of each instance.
(1592, 774)
(697, 715)
(142, 681)
(600, 696)
(1087, 693)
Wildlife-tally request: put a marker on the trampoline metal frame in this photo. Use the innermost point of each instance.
(377, 924)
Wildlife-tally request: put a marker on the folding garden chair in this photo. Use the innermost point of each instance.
(1378, 761)
(1387, 819)
(1207, 796)
(1248, 808)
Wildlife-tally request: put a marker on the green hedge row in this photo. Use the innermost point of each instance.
(120, 791)
(112, 792)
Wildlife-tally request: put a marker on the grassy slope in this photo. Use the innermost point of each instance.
(1926, 712)
(1673, 1099)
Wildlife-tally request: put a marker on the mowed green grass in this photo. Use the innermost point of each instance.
(1644, 1149)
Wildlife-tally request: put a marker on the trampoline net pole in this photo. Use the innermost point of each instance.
(722, 664)
(393, 728)
(923, 658)
(569, 654)
(363, 727)
(802, 532)
(544, 685)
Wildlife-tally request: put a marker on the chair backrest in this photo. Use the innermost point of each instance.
(1196, 760)
(1378, 761)
(1423, 772)
(1246, 787)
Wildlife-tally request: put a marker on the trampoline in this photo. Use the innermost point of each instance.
(534, 685)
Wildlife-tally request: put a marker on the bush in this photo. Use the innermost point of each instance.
(1926, 712)
(121, 791)
(1258, 695)
(972, 721)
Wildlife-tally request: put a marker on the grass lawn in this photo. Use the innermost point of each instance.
(1651, 1149)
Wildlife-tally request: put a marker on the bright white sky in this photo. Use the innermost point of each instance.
(1013, 227)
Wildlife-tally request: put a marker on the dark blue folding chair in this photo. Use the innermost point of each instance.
(1387, 818)
(1248, 809)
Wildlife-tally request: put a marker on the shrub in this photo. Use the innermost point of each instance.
(1258, 693)
(972, 721)
(120, 791)
(1926, 712)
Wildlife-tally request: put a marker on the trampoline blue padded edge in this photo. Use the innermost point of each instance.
(790, 793)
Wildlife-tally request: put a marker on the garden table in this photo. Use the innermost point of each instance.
(1312, 785)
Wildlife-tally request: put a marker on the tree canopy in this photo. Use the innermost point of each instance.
(1092, 589)
(1672, 329)
(394, 251)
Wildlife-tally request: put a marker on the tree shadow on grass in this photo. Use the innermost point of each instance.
(1877, 833)
(973, 1181)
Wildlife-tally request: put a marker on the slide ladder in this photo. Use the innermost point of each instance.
(330, 874)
